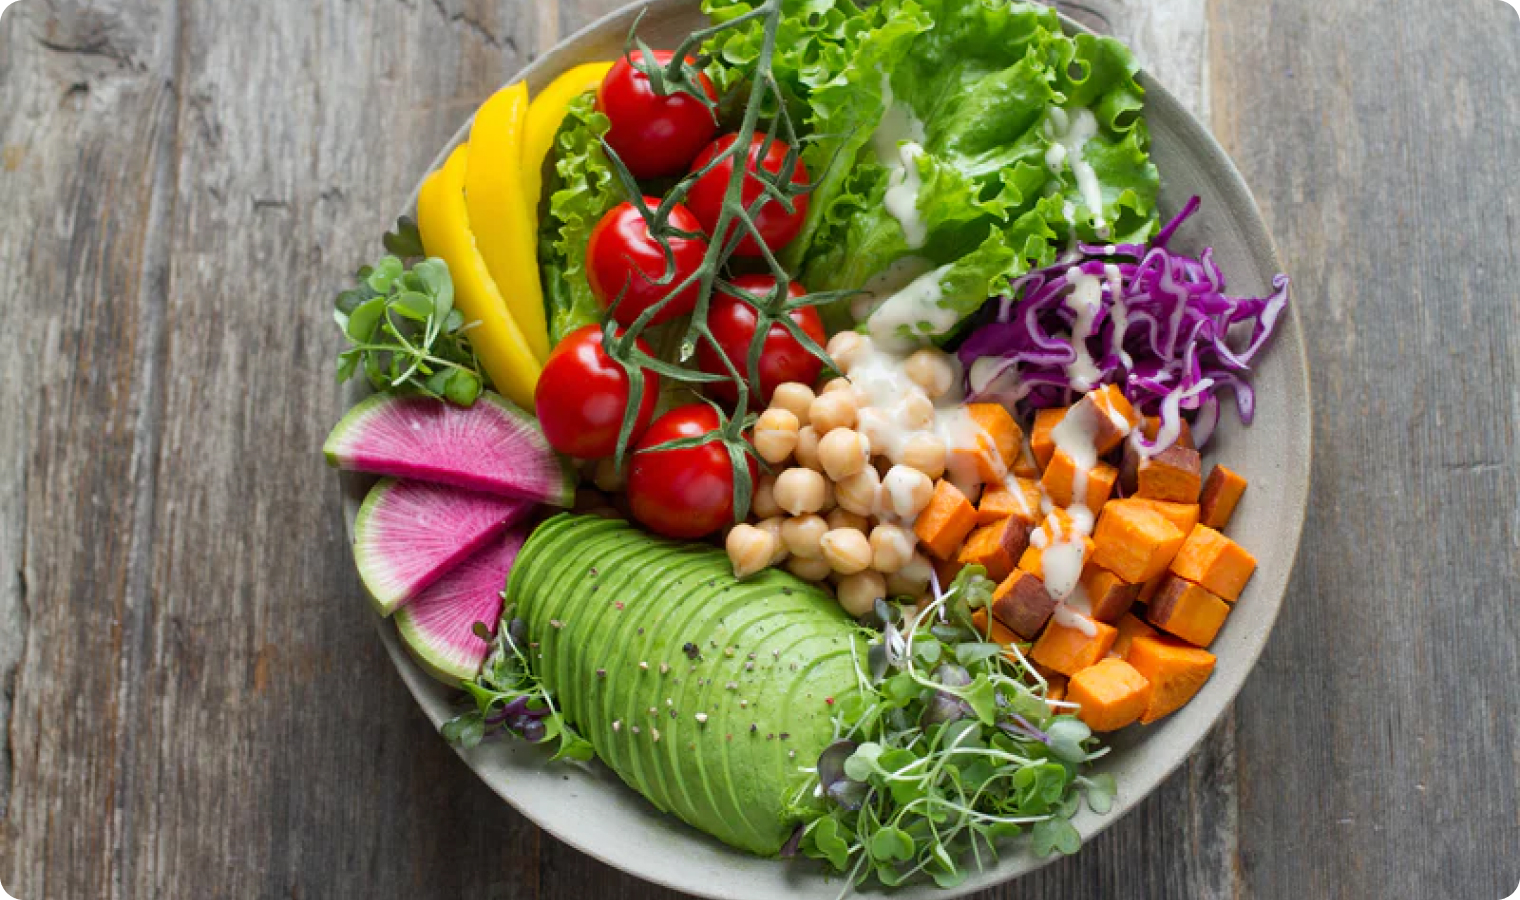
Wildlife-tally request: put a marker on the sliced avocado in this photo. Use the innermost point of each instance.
(736, 723)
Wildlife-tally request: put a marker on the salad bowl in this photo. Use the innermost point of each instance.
(593, 811)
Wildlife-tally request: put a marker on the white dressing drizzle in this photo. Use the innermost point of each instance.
(1086, 300)
(1069, 134)
(898, 143)
(1119, 312)
(916, 308)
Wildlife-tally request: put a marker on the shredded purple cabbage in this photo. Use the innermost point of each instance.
(1166, 342)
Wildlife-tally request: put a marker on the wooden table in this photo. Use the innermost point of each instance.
(195, 701)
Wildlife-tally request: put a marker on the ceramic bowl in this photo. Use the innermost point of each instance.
(596, 813)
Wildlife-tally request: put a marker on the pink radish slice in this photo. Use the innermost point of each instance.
(438, 626)
(492, 447)
(408, 534)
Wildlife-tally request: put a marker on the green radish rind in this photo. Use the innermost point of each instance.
(600, 598)
(553, 481)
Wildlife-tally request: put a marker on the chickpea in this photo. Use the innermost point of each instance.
(763, 504)
(891, 548)
(858, 593)
(843, 452)
(750, 549)
(830, 503)
(847, 550)
(607, 476)
(833, 410)
(772, 526)
(803, 536)
(860, 493)
(807, 449)
(800, 491)
(931, 370)
(795, 398)
(917, 412)
(926, 453)
(846, 347)
(836, 384)
(876, 427)
(808, 569)
(912, 580)
(776, 435)
(906, 491)
(843, 518)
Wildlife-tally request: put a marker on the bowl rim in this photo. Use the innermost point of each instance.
(1238, 198)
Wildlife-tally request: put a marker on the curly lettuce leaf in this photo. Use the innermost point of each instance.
(989, 87)
(582, 189)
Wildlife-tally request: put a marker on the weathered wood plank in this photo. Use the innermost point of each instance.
(1377, 738)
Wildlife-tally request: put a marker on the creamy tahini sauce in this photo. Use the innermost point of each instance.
(915, 308)
(1086, 300)
(898, 142)
(1069, 134)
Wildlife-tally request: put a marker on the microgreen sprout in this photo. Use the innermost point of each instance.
(403, 329)
(903, 794)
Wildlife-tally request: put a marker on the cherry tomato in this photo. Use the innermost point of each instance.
(654, 136)
(622, 253)
(583, 393)
(776, 225)
(782, 357)
(683, 493)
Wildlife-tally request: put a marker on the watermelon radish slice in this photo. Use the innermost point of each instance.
(408, 534)
(438, 626)
(493, 447)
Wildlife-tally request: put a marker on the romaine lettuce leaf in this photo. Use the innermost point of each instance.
(582, 189)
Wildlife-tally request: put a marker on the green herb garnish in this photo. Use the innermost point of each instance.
(949, 747)
(403, 329)
(510, 700)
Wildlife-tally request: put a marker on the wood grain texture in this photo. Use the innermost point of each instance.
(1377, 738)
(193, 702)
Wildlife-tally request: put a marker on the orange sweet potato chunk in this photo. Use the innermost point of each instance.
(1130, 626)
(1171, 475)
(1111, 694)
(1188, 611)
(1175, 670)
(1149, 589)
(1214, 561)
(1024, 464)
(1112, 416)
(1221, 491)
(1015, 497)
(1152, 427)
(1055, 689)
(1069, 649)
(1033, 560)
(1129, 463)
(1022, 604)
(996, 547)
(1110, 596)
(1059, 482)
(1040, 442)
(1133, 542)
(994, 447)
(993, 630)
(1183, 515)
(945, 522)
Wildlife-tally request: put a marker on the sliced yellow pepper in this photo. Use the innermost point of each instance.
(545, 117)
(493, 193)
(444, 221)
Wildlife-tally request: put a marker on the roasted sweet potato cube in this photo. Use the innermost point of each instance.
(1041, 444)
(1130, 626)
(993, 630)
(1221, 491)
(1109, 595)
(1004, 433)
(1110, 694)
(987, 447)
(1024, 465)
(1109, 416)
(997, 547)
(1175, 670)
(945, 522)
(1171, 475)
(1061, 477)
(1214, 561)
(1012, 497)
(1151, 427)
(1183, 515)
(1188, 611)
(1055, 692)
(1033, 560)
(1022, 603)
(1133, 542)
(1070, 648)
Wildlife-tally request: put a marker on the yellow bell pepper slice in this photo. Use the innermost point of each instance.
(545, 116)
(444, 221)
(493, 194)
